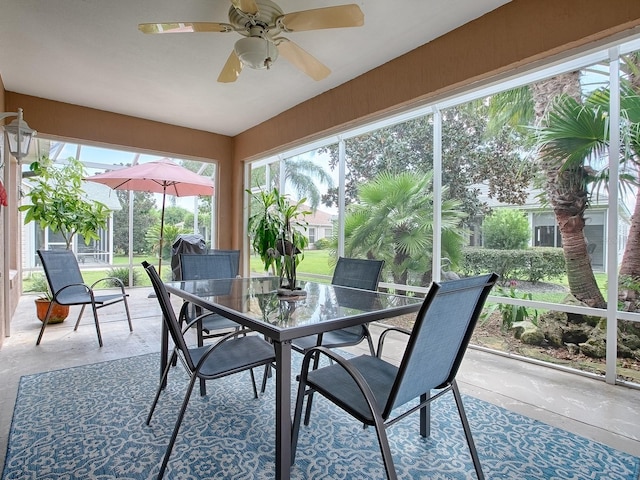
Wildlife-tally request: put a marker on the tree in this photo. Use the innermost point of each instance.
(564, 185)
(144, 208)
(393, 221)
(506, 229)
(302, 174)
(59, 203)
(470, 156)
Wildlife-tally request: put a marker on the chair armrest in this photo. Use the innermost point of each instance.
(383, 336)
(84, 285)
(116, 280)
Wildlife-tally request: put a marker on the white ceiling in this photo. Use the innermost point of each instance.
(90, 53)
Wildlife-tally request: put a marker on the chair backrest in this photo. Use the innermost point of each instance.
(439, 338)
(61, 269)
(234, 256)
(168, 314)
(198, 267)
(357, 273)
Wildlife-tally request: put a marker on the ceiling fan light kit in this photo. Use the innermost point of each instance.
(256, 52)
(260, 22)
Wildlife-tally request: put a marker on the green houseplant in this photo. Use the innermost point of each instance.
(277, 235)
(58, 202)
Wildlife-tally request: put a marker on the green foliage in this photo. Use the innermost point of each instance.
(122, 273)
(322, 244)
(532, 264)
(511, 315)
(144, 216)
(169, 234)
(393, 221)
(506, 229)
(59, 203)
(38, 283)
(276, 219)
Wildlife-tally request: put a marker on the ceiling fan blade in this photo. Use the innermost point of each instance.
(184, 27)
(246, 6)
(320, 18)
(303, 60)
(231, 70)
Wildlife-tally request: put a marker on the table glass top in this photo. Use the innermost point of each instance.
(258, 299)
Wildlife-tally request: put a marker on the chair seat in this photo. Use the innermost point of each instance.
(82, 298)
(214, 321)
(336, 338)
(334, 382)
(233, 356)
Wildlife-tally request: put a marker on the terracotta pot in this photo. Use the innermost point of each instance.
(58, 315)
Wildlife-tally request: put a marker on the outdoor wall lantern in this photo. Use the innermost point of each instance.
(18, 134)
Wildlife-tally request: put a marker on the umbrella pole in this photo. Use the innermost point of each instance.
(164, 196)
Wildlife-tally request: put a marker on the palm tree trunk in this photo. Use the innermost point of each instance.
(631, 258)
(566, 192)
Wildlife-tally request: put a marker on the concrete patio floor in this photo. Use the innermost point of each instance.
(588, 407)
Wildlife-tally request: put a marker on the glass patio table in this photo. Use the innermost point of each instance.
(255, 303)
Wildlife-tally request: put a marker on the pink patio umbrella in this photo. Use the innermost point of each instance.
(162, 176)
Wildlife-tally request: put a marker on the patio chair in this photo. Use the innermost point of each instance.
(218, 265)
(234, 353)
(68, 288)
(369, 388)
(355, 273)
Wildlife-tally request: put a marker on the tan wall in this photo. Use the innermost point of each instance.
(515, 36)
(3, 242)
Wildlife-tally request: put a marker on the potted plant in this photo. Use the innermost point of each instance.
(58, 202)
(276, 229)
(59, 312)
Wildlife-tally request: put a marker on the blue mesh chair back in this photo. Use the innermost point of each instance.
(62, 270)
(234, 256)
(198, 267)
(439, 338)
(357, 273)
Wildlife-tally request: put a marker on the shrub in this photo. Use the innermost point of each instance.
(122, 273)
(512, 315)
(532, 264)
(506, 229)
(322, 244)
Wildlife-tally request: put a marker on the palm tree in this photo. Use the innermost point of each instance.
(565, 187)
(393, 221)
(303, 175)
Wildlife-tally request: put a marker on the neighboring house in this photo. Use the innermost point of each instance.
(97, 252)
(320, 225)
(546, 233)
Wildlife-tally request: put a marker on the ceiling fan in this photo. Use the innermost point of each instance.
(261, 22)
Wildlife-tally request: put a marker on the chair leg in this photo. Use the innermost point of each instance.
(307, 413)
(383, 441)
(253, 382)
(95, 319)
(425, 416)
(163, 380)
(203, 383)
(265, 376)
(467, 430)
(79, 317)
(295, 428)
(44, 322)
(126, 307)
(174, 435)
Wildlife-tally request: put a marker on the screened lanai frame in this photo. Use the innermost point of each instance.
(609, 54)
(59, 149)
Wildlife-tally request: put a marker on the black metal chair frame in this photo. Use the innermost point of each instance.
(68, 288)
(234, 353)
(369, 388)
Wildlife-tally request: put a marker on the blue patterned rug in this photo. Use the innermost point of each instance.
(88, 423)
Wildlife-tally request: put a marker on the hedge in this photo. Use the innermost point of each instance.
(531, 264)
